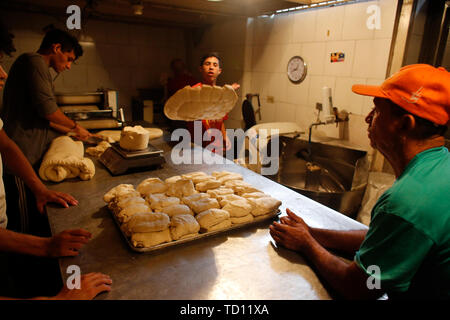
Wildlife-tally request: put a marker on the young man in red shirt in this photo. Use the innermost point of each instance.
(211, 68)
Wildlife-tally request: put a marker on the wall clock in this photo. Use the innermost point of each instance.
(296, 69)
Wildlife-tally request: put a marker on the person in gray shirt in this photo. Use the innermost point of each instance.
(32, 119)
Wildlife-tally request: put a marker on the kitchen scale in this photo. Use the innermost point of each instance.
(119, 161)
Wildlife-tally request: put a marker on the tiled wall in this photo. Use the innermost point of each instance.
(260, 48)
(314, 34)
(116, 55)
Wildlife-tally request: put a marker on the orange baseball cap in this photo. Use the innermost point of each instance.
(421, 89)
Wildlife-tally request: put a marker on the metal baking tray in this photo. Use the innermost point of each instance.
(195, 238)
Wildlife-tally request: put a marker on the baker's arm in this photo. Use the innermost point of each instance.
(348, 279)
(59, 121)
(345, 241)
(15, 160)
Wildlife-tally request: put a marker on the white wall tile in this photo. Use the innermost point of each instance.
(282, 29)
(298, 93)
(287, 52)
(345, 98)
(388, 12)
(304, 29)
(285, 112)
(355, 22)
(371, 58)
(313, 54)
(329, 24)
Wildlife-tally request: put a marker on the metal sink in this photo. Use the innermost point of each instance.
(331, 175)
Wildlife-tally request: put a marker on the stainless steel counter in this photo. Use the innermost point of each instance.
(244, 264)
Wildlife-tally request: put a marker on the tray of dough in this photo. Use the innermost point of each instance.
(158, 214)
(194, 238)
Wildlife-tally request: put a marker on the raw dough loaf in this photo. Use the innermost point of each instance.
(205, 102)
(126, 213)
(183, 225)
(244, 219)
(150, 239)
(255, 195)
(118, 190)
(98, 150)
(64, 160)
(204, 204)
(197, 196)
(159, 201)
(262, 206)
(110, 135)
(210, 218)
(219, 192)
(224, 176)
(200, 178)
(134, 138)
(177, 209)
(151, 185)
(238, 208)
(240, 187)
(116, 207)
(172, 180)
(207, 185)
(148, 222)
(225, 199)
(191, 175)
(181, 188)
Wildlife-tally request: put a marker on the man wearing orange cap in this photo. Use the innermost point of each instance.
(406, 250)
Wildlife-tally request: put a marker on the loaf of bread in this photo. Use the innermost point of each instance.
(134, 138)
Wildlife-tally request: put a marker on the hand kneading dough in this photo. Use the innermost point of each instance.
(244, 219)
(150, 239)
(181, 188)
(119, 189)
(151, 185)
(212, 217)
(264, 205)
(134, 138)
(205, 102)
(177, 209)
(64, 160)
(207, 185)
(238, 208)
(148, 222)
(125, 214)
(183, 225)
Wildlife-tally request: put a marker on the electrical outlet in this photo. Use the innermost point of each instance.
(270, 99)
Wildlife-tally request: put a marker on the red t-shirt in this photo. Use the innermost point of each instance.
(206, 125)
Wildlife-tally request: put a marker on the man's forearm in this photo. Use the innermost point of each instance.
(11, 241)
(345, 278)
(59, 118)
(346, 241)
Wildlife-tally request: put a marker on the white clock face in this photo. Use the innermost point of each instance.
(296, 69)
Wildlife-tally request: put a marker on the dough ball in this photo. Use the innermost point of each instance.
(238, 208)
(182, 225)
(211, 217)
(120, 189)
(262, 206)
(150, 239)
(148, 222)
(181, 188)
(244, 219)
(177, 209)
(151, 185)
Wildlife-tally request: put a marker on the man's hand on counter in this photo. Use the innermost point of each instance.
(91, 285)
(81, 133)
(44, 196)
(67, 243)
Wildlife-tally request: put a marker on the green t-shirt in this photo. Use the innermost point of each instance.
(409, 234)
(27, 98)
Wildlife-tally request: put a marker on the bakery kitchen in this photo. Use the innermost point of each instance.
(188, 310)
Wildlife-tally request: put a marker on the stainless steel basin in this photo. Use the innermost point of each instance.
(334, 176)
